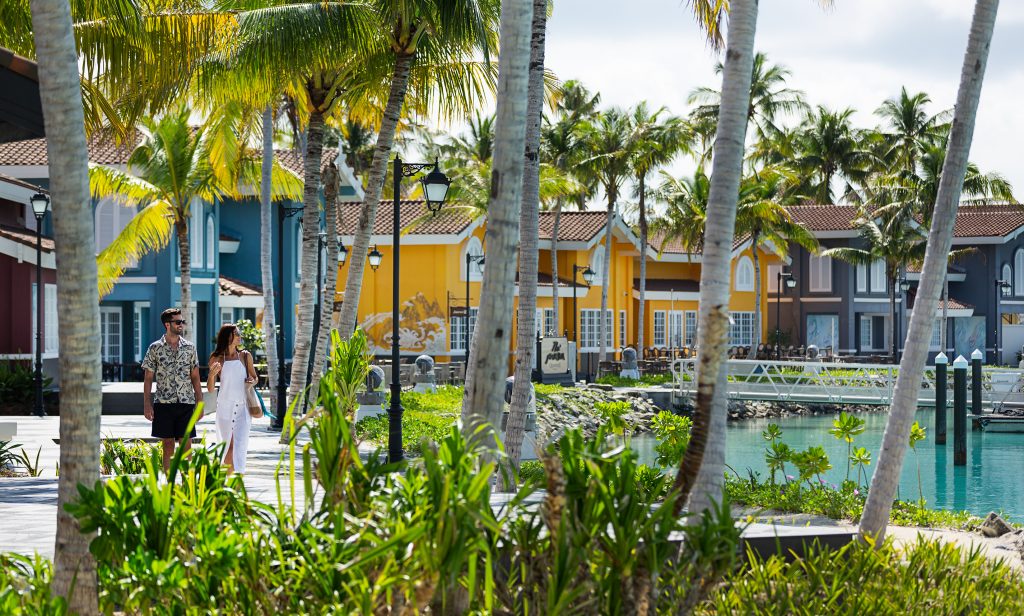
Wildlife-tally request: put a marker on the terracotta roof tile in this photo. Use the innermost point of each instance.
(825, 217)
(573, 226)
(231, 286)
(292, 159)
(655, 241)
(988, 220)
(445, 222)
(102, 151)
(26, 237)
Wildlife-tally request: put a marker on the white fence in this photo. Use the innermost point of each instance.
(842, 383)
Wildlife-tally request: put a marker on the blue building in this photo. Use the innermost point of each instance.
(225, 249)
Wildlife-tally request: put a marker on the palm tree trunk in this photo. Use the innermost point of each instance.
(181, 228)
(940, 239)
(374, 185)
(641, 309)
(267, 250)
(755, 239)
(554, 264)
(74, 574)
(482, 403)
(331, 181)
(606, 265)
(701, 469)
(310, 246)
(528, 257)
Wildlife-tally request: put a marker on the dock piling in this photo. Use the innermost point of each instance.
(960, 411)
(976, 388)
(941, 364)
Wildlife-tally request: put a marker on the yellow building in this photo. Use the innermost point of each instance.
(439, 263)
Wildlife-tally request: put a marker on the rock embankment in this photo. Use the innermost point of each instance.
(756, 409)
(575, 407)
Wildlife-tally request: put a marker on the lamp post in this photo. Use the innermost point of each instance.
(435, 189)
(40, 205)
(588, 277)
(901, 312)
(1002, 290)
(470, 259)
(790, 283)
(283, 213)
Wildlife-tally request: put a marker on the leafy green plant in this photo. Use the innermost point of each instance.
(673, 434)
(811, 462)
(917, 434)
(31, 466)
(7, 456)
(776, 457)
(645, 380)
(614, 414)
(861, 458)
(118, 457)
(844, 428)
(254, 339)
(17, 382)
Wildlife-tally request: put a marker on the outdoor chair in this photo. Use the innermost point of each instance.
(441, 373)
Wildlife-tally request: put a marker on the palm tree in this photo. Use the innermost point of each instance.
(607, 141)
(74, 573)
(686, 213)
(700, 471)
(528, 221)
(483, 400)
(828, 146)
(897, 431)
(889, 236)
(655, 141)
(332, 184)
(429, 37)
(266, 247)
(761, 214)
(172, 167)
(909, 128)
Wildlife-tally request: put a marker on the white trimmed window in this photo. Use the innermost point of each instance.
(227, 315)
(597, 264)
(878, 282)
(461, 333)
(110, 218)
(741, 328)
(1018, 272)
(862, 278)
(622, 329)
(1007, 274)
(936, 341)
(196, 227)
(50, 337)
(865, 333)
(211, 243)
(110, 333)
(659, 328)
(675, 328)
(544, 322)
(140, 327)
(474, 248)
(773, 277)
(821, 274)
(691, 327)
(590, 331)
(744, 274)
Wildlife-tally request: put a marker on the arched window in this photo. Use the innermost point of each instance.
(744, 280)
(597, 264)
(1007, 273)
(1018, 272)
(196, 228)
(211, 243)
(474, 248)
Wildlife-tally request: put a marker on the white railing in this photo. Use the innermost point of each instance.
(842, 383)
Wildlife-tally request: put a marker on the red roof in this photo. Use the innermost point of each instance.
(572, 226)
(25, 236)
(825, 217)
(446, 222)
(971, 220)
(292, 159)
(673, 246)
(102, 151)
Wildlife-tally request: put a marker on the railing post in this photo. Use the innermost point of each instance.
(941, 363)
(960, 411)
(976, 387)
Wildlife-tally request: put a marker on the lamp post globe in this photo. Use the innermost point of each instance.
(40, 204)
(342, 253)
(435, 188)
(588, 276)
(374, 258)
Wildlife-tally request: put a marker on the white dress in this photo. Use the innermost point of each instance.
(233, 420)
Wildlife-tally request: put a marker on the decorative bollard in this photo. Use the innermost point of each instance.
(630, 370)
(371, 401)
(941, 383)
(976, 389)
(960, 411)
(424, 380)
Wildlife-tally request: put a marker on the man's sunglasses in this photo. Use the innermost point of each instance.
(178, 321)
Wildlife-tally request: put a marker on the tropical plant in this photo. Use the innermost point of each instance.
(829, 147)
(776, 457)
(917, 434)
(685, 216)
(909, 129)
(861, 458)
(673, 434)
(613, 414)
(811, 462)
(844, 428)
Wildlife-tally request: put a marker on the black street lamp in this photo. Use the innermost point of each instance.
(790, 284)
(374, 258)
(435, 189)
(470, 260)
(1003, 288)
(901, 316)
(283, 213)
(342, 254)
(588, 277)
(40, 205)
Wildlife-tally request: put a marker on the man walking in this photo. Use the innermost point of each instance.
(173, 363)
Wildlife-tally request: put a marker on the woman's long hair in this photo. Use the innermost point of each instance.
(224, 337)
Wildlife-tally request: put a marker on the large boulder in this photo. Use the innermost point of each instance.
(995, 526)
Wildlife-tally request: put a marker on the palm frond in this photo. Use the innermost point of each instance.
(148, 231)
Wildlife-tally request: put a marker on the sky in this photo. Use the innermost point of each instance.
(856, 54)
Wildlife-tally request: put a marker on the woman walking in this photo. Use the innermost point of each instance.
(237, 374)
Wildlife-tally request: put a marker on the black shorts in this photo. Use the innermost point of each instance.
(171, 420)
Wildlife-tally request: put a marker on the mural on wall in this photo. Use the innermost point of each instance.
(968, 334)
(823, 330)
(422, 329)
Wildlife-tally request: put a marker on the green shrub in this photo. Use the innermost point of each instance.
(119, 457)
(18, 382)
(646, 380)
(531, 472)
(673, 433)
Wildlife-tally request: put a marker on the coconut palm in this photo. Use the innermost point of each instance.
(897, 431)
(685, 216)
(266, 247)
(528, 222)
(74, 572)
(909, 128)
(828, 146)
(173, 166)
(482, 404)
(425, 42)
(655, 141)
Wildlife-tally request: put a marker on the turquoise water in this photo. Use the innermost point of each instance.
(992, 480)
